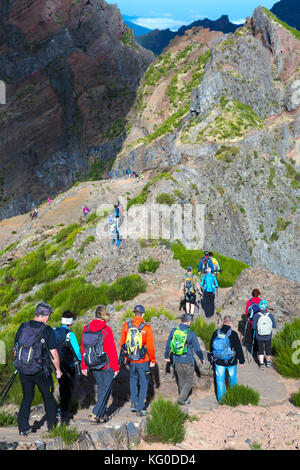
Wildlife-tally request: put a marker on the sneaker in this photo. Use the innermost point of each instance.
(93, 418)
(133, 407)
(268, 364)
(141, 413)
(261, 366)
(25, 433)
(186, 402)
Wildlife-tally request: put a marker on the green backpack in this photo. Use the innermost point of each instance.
(178, 342)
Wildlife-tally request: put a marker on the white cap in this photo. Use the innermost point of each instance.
(67, 321)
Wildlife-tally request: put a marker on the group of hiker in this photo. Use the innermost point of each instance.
(208, 270)
(37, 346)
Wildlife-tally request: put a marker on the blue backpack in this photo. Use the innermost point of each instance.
(221, 346)
(253, 309)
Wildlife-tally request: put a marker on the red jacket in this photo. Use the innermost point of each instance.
(255, 300)
(108, 346)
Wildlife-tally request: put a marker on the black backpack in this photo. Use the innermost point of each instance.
(30, 350)
(94, 355)
(64, 347)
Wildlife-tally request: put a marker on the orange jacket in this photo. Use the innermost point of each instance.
(147, 338)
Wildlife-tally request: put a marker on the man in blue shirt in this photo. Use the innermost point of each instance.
(183, 343)
(209, 284)
(69, 354)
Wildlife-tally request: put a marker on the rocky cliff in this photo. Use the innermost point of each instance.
(71, 70)
(235, 147)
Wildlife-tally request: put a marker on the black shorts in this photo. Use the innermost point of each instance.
(190, 298)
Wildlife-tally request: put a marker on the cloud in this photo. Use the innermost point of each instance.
(239, 21)
(159, 23)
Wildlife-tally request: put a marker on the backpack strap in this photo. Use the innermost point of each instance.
(141, 326)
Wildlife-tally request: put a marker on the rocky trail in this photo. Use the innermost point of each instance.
(217, 427)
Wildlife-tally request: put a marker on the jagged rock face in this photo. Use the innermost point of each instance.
(71, 75)
(284, 47)
(241, 172)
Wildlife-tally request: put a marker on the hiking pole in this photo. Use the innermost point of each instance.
(245, 331)
(252, 345)
(7, 386)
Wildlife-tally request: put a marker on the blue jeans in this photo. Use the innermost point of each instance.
(139, 371)
(104, 379)
(220, 378)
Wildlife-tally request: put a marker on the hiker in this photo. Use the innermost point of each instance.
(114, 233)
(263, 323)
(138, 344)
(209, 284)
(204, 264)
(183, 343)
(34, 350)
(70, 357)
(188, 290)
(252, 307)
(217, 269)
(99, 355)
(225, 352)
(86, 210)
(48, 200)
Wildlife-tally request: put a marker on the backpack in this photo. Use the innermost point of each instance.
(64, 347)
(110, 220)
(29, 358)
(134, 343)
(94, 355)
(217, 268)
(221, 346)
(252, 309)
(264, 324)
(178, 342)
(189, 284)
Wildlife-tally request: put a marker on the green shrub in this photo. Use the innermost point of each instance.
(231, 268)
(165, 198)
(7, 419)
(286, 360)
(68, 435)
(65, 232)
(203, 330)
(240, 395)
(149, 265)
(166, 422)
(70, 264)
(85, 243)
(295, 398)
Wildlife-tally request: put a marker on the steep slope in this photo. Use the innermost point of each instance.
(288, 11)
(235, 148)
(157, 40)
(71, 70)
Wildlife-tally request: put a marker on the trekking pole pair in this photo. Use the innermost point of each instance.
(6, 389)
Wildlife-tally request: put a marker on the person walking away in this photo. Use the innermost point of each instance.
(204, 264)
(86, 210)
(137, 342)
(99, 355)
(188, 290)
(226, 351)
(217, 268)
(252, 307)
(209, 284)
(69, 356)
(263, 324)
(34, 350)
(183, 343)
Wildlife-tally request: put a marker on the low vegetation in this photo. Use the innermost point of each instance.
(149, 314)
(167, 422)
(240, 395)
(203, 330)
(69, 435)
(285, 349)
(150, 265)
(231, 268)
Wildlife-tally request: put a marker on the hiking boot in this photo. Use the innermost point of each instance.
(133, 407)
(141, 413)
(186, 402)
(261, 366)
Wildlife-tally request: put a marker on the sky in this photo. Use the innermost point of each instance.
(172, 14)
